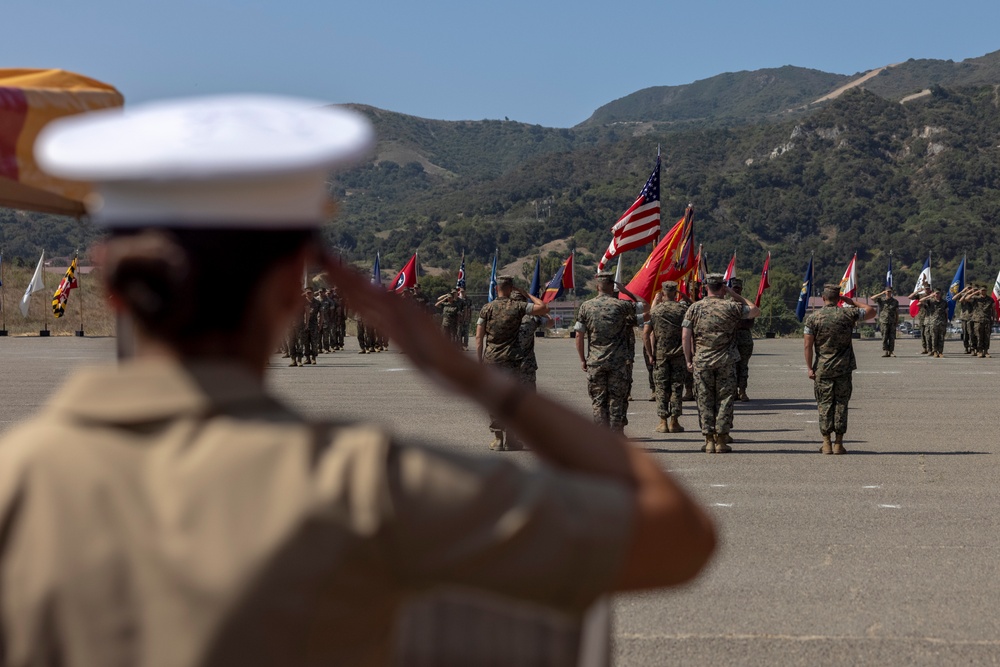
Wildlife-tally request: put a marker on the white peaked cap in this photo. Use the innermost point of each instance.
(234, 161)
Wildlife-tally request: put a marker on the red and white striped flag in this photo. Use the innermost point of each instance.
(640, 224)
(849, 283)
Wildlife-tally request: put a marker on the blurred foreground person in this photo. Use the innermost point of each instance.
(170, 511)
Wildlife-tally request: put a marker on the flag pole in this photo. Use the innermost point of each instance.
(78, 275)
(3, 299)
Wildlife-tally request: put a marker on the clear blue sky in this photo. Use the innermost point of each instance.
(536, 62)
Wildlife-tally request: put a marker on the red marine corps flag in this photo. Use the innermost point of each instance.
(640, 224)
(849, 283)
(764, 282)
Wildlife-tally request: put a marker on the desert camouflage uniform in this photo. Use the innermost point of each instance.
(671, 368)
(744, 345)
(888, 320)
(834, 361)
(713, 323)
(501, 321)
(936, 321)
(609, 324)
(339, 322)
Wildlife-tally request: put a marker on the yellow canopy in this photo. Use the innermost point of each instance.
(30, 98)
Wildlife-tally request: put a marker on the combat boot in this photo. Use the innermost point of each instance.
(497, 444)
(722, 441)
(688, 396)
(294, 363)
(709, 443)
(662, 426)
(826, 448)
(743, 395)
(674, 426)
(838, 446)
(924, 352)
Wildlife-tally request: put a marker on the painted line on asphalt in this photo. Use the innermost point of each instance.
(718, 486)
(393, 370)
(872, 486)
(721, 505)
(891, 507)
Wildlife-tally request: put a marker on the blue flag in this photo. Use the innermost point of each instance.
(536, 280)
(957, 285)
(888, 273)
(460, 281)
(377, 270)
(805, 292)
(492, 293)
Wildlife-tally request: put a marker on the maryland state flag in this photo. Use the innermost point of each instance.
(61, 296)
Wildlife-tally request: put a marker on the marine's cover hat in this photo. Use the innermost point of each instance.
(670, 285)
(505, 280)
(234, 161)
(606, 276)
(736, 282)
(715, 279)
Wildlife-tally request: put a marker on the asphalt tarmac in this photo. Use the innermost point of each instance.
(888, 555)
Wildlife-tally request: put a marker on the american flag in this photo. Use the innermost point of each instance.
(640, 224)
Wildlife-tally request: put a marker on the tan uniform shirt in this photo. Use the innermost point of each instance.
(166, 515)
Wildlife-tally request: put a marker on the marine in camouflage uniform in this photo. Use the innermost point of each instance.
(888, 320)
(450, 314)
(935, 310)
(326, 321)
(925, 332)
(607, 325)
(829, 356)
(464, 316)
(309, 333)
(498, 338)
(662, 342)
(963, 312)
(709, 349)
(339, 320)
(982, 315)
(744, 345)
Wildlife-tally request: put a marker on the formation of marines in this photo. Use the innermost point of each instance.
(696, 347)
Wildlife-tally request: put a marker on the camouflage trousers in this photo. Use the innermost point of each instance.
(293, 343)
(744, 345)
(968, 335)
(981, 336)
(609, 386)
(669, 376)
(309, 340)
(926, 338)
(450, 329)
(514, 368)
(715, 389)
(888, 337)
(937, 332)
(832, 396)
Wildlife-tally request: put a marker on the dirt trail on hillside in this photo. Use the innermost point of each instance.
(853, 84)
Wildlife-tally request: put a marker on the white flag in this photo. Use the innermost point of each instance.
(37, 284)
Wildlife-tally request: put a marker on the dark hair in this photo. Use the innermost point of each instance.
(170, 279)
